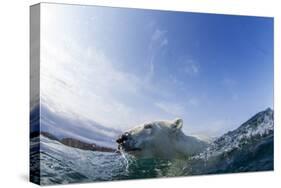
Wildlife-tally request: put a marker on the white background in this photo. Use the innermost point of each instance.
(14, 91)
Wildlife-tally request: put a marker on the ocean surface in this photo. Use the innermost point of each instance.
(249, 148)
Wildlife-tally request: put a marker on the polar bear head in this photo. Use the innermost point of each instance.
(154, 139)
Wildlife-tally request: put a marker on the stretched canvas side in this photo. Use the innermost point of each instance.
(34, 156)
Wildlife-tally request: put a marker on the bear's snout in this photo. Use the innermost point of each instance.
(122, 138)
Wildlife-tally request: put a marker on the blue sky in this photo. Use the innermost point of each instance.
(123, 67)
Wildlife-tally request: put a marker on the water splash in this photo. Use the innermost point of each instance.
(126, 160)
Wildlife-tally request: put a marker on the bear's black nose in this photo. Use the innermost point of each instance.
(122, 138)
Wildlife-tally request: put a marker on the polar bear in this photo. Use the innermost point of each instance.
(160, 139)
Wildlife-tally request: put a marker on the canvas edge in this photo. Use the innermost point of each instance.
(34, 118)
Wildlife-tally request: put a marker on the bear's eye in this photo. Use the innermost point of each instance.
(148, 126)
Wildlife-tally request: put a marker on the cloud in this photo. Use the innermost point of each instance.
(158, 35)
(79, 80)
(164, 42)
(171, 108)
(190, 67)
(83, 81)
(158, 39)
(155, 47)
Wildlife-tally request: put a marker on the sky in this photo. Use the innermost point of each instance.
(124, 67)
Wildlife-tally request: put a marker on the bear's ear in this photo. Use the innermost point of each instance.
(177, 124)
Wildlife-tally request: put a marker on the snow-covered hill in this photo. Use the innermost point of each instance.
(260, 125)
(247, 148)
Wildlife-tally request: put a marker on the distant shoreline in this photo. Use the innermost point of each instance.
(73, 142)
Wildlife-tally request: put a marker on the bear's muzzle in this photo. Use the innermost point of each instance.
(123, 138)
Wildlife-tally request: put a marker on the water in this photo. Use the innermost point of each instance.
(248, 148)
(61, 164)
